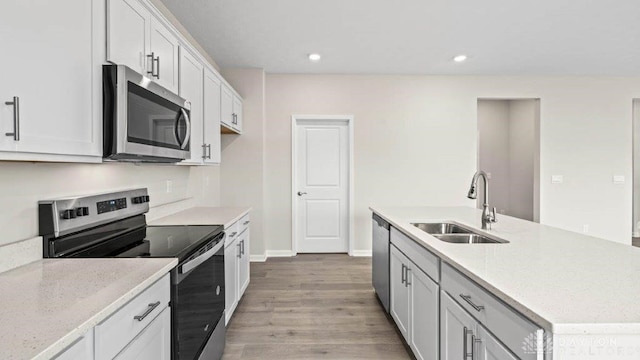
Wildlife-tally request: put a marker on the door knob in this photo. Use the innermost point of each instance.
(300, 193)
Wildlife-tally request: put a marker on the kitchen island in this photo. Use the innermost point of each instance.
(580, 291)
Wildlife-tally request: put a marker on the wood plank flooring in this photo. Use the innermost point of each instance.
(312, 307)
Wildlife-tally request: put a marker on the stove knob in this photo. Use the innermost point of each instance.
(136, 200)
(146, 198)
(79, 211)
(85, 211)
(68, 214)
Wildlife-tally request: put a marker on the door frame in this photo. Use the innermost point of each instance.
(349, 120)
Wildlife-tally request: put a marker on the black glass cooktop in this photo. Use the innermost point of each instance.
(171, 241)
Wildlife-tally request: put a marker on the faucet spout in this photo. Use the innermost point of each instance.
(487, 217)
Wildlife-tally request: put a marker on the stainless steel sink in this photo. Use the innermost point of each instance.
(456, 234)
(441, 228)
(468, 239)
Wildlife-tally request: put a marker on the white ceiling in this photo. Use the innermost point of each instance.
(501, 37)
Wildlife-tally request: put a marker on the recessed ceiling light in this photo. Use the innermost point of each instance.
(460, 58)
(314, 57)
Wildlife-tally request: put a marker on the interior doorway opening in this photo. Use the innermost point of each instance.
(509, 152)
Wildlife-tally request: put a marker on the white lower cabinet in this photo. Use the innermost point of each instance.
(153, 343)
(456, 329)
(414, 305)
(236, 264)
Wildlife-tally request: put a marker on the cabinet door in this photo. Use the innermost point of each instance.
(399, 291)
(244, 264)
(153, 343)
(456, 329)
(82, 349)
(128, 27)
(237, 110)
(164, 48)
(489, 348)
(212, 114)
(48, 63)
(226, 103)
(231, 253)
(191, 88)
(423, 322)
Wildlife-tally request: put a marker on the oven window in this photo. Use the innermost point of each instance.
(199, 304)
(153, 120)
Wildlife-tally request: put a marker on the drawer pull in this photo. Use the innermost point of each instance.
(467, 298)
(233, 234)
(151, 307)
(246, 222)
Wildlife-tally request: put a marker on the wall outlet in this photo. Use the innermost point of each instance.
(618, 179)
(557, 179)
(585, 228)
(169, 186)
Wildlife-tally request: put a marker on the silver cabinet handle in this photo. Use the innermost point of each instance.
(300, 193)
(465, 333)
(16, 118)
(150, 308)
(474, 342)
(404, 279)
(242, 247)
(209, 147)
(157, 74)
(467, 298)
(246, 222)
(407, 282)
(239, 251)
(233, 234)
(152, 57)
(204, 151)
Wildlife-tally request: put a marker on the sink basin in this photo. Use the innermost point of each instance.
(468, 239)
(441, 228)
(456, 234)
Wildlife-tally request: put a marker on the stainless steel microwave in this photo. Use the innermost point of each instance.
(142, 120)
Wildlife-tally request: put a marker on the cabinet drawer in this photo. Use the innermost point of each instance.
(243, 223)
(232, 233)
(113, 334)
(420, 256)
(505, 323)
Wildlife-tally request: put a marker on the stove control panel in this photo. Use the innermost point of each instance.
(63, 216)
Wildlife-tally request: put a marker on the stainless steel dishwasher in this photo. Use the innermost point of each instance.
(380, 261)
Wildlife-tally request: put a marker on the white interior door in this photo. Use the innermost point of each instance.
(321, 186)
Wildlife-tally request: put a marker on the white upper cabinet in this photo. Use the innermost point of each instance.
(237, 113)
(191, 89)
(49, 67)
(140, 41)
(164, 56)
(128, 34)
(227, 107)
(212, 114)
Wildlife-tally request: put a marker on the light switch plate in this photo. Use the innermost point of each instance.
(557, 179)
(618, 179)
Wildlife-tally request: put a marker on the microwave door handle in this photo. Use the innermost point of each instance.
(188, 135)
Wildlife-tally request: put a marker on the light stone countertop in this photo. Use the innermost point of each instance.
(49, 304)
(566, 282)
(204, 216)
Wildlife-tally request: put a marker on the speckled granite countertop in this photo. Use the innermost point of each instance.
(204, 216)
(48, 304)
(566, 282)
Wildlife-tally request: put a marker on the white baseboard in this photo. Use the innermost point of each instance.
(361, 253)
(258, 258)
(279, 253)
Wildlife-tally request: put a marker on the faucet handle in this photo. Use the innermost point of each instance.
(494, 218)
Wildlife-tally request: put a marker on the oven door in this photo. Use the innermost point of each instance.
(198, 300)
(143, 120)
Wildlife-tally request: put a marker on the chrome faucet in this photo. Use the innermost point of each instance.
(488, 217)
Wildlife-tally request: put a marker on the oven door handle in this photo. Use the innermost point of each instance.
(194, 263)
(185, 142)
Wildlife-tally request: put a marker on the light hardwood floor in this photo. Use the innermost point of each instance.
(312, 307)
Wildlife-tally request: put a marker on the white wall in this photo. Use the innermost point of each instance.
(636, 168)
(242, 171)
(494, 153)
(416, 137)
(522, 138)
(23, 184)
